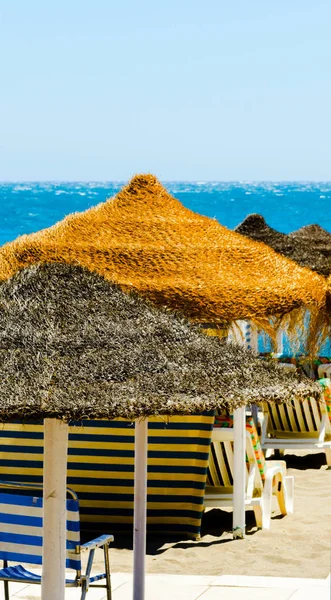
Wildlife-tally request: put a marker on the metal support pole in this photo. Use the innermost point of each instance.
(239, 472)
(140, 507)
(279, 342)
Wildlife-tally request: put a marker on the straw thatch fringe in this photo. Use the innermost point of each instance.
(307, 331)
(146, 240)
(296, 247)
(74, 346)
(328, 305)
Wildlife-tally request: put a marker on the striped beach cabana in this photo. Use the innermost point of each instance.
(76, 349)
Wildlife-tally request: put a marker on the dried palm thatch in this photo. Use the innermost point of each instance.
(298, 248)
(328, 304)
(146, 240)
(74, 346)
(314, 235)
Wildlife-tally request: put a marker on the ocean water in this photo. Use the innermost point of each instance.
(27, 207)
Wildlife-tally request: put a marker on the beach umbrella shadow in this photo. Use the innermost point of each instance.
(307, 461)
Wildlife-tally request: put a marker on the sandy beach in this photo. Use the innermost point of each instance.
(297, 545)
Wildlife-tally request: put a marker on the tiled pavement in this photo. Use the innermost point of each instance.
(186, 587)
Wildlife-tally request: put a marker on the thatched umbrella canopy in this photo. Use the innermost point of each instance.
(146, 240)
(328, 302)
(297, 246)
(314, 235)
(74, 346)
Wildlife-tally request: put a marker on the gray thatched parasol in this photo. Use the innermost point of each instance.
(314, 235)
(292, 246)
(74, 346)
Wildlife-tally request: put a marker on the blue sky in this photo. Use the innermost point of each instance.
(186, 89)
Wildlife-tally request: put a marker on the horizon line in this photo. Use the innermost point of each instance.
(197, 181)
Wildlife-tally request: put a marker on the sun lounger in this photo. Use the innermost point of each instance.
(302, 425)
(324, 371)
(263, 478)
(21, 540)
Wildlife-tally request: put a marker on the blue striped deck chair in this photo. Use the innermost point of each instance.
(21, 539)
(100, 470)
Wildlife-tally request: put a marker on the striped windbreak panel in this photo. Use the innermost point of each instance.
(101, 469)
(21, 530)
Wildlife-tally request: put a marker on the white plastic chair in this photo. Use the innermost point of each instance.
(324, 371)
(258, 494)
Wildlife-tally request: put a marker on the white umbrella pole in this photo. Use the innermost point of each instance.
(239, 472)
(140, 508)
(54, 509)
(279, 342)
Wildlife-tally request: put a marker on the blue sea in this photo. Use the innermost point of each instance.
(26, 207)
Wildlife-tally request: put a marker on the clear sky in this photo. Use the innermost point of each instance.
(186, 89)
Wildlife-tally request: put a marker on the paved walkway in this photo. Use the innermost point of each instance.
(186, 587)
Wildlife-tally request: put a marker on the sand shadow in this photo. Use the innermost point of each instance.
(193, 544)
(302, 463)
(215, 522)
(154, 541)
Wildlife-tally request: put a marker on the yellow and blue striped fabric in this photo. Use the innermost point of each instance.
(101, 469)
(21, 530)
